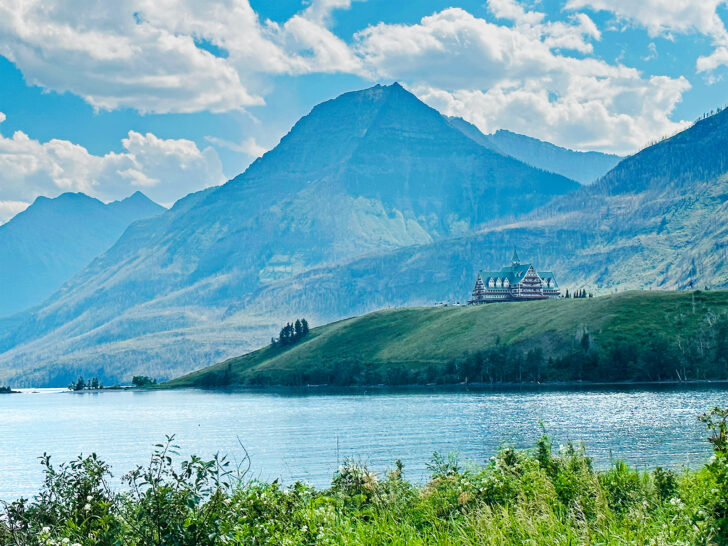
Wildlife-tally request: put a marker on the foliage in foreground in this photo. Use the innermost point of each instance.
(534, 497)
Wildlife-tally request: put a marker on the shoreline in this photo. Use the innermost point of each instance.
(431, 387)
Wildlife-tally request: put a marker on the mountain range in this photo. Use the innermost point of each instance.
(372, 200)
(584, 167)
(53, 239)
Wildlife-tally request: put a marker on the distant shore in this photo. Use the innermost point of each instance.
(504, 387)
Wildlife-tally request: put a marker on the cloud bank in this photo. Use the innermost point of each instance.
(163, 169)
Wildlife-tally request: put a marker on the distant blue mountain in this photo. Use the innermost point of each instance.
(43, 246)
(584, 167)
(369, 171)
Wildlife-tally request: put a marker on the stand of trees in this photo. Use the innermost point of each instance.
(80, 385)
(291, 333)
(143, 381)
(578, 294)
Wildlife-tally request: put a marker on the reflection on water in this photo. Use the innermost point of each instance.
(304, 436)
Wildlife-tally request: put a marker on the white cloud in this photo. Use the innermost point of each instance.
(8, 209)
(663, 16)
(163, 169)
(512, 10)
(249, 146)
(110, 54)
(579, 120)
(516, 77)
(708, 63)
(321, 11)
(652, 48)
(150, 55)
(668, 17)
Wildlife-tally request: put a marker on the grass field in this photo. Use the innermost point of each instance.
(433, 338)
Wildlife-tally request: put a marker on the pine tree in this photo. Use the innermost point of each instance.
(304, 327)
(298, 329)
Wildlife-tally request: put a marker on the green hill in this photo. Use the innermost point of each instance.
(643, 336)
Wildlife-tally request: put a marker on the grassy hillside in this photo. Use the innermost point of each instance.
(632, 335)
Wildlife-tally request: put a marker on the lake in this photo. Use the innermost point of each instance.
(304, 436)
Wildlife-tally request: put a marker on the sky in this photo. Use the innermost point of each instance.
(171, 96)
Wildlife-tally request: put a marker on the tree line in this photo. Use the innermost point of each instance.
(578, 294)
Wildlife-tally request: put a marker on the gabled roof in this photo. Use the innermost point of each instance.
(515, 273)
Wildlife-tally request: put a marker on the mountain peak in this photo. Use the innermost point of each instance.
(137, 198)
(63, 202)
(137, 203)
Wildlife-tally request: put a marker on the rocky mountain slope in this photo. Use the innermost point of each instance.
(368, 172)
(45, 245)
(659, 220)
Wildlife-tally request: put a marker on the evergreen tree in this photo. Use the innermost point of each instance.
(304, 327)
(298, 329)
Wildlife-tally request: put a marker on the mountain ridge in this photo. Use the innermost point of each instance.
(584, 167)
(44, 245)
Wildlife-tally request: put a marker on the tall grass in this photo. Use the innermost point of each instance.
(538, 496)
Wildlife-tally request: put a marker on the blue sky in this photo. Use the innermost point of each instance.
(169, 96)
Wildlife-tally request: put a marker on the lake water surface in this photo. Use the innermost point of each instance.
(305, 436)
